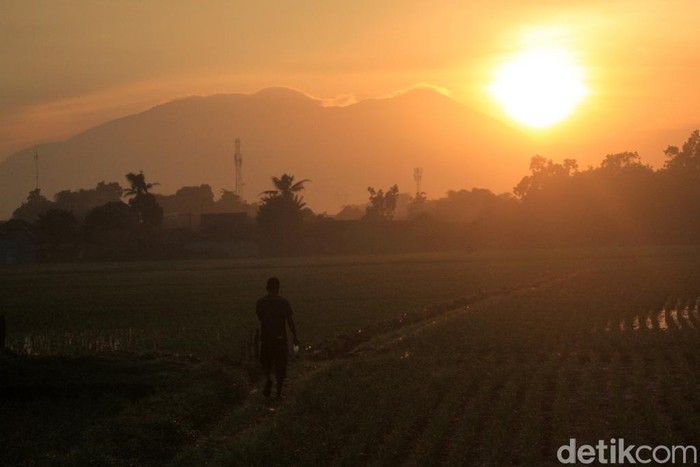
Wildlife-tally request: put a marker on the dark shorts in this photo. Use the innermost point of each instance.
(274, 353)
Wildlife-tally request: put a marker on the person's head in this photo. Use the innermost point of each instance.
(273, 286)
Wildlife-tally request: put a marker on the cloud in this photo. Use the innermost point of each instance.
(341, 100)
(431, 87)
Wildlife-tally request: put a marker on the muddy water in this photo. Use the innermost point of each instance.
(673, 316)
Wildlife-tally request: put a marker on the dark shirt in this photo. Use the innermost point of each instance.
(273, 312)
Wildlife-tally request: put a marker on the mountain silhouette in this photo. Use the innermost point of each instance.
(342, 150)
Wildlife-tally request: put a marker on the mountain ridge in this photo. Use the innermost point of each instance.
(344, 149)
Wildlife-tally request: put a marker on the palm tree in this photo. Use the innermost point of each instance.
(138, 186)
(280, 215)
(143, 202)
(285, 188)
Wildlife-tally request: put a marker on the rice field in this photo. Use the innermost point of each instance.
(610, 351)
(449, 359)
(207, 308)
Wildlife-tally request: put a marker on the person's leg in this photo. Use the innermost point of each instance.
(281, 367)
(267, 360)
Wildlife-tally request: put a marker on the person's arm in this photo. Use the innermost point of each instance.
(292, 328)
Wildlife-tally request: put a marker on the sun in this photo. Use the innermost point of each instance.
(539, 87)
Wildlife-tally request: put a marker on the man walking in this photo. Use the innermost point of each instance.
(275, 313)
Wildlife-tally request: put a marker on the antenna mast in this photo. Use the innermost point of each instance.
(418, 177)
(36, 168)
(238, 158)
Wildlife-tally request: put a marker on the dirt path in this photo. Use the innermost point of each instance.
(373, 339)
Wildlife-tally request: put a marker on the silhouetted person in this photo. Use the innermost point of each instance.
(275, 313)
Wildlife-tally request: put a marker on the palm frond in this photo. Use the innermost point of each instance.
(298, 186)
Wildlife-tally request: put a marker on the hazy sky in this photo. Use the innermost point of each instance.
(68, 65)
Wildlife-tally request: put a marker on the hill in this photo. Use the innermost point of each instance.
(341, 149)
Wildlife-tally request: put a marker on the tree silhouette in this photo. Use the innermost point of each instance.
(686, 157)
(285, 188)
(417, 205)
(142, 202)
(679, 189)
(111, 216)
(231, 202)
(229, 199)
(58, 226)
(81, 201)
(281, 213)
(544, 173)
(137, 185)
(350, 212)
(112, 232)
(33, 208)
(381, 205)
(622, 161)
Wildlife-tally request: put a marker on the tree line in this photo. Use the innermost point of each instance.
(620, 202)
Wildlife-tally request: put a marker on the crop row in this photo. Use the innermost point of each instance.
(508, 380)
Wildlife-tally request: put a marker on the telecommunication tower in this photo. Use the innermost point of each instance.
(238, 158)
(418, 177)
(36, 168)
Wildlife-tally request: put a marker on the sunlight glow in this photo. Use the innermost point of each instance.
(539, 87)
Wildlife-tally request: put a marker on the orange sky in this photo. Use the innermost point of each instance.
(68, 65)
